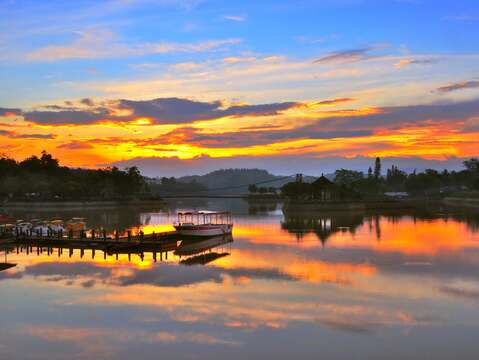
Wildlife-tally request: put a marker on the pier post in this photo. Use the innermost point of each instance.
(154, 256)
(70, 252)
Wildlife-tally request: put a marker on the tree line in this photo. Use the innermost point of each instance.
(351, 184)
(43, 178)
(428, 182)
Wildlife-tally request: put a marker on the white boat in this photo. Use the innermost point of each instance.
(57, 226)
(23, 227)
(204, 223)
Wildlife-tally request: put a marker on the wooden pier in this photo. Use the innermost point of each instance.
(93, 240)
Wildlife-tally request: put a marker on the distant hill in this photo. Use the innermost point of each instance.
(237, 180)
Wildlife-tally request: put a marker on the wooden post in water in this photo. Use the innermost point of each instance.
(70, 252)
(154, 256)
(82, 252)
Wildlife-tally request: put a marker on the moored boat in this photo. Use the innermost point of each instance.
(204, 223)
(6, 219)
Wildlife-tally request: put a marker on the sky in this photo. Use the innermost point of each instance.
(187, 86)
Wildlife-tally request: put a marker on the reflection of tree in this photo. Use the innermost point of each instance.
(377, 227)
(260, 208)
(323, 225)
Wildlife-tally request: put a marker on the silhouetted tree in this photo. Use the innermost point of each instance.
(377, 168)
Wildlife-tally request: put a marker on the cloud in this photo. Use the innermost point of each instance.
(472, 84)
(334, 101)
(102, 43)
(35, 136)
(464, 17)
(406, 62)
(159, 111)
(87, 102)
(14, 135)
(249, 138)
(237, 18)
(9, 112)
(66, 117)
(468, 294)
(345, 56)
(75, 145)
(176, 110)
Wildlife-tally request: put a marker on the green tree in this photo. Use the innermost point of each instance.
(472, 165)
(370, 173)
(252, 188)
(347, 177)
(377, 168)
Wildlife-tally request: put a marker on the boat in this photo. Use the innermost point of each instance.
(76, 224)
(57, 226)
(204, 223)
(23, 227)
(6, 219)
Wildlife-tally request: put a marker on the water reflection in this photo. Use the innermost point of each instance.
(371, 281)
(323, 225)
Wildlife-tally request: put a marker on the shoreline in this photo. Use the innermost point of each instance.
(79, 204)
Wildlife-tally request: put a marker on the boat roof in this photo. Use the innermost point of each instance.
(205, 212)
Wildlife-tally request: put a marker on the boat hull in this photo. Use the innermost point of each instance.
(203, 230)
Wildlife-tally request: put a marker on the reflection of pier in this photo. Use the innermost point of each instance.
(158, 245)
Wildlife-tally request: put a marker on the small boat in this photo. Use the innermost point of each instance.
(23, 227)
(56, 226)
(6, 219)
(41, 228)
(76, 224)
(204, 223)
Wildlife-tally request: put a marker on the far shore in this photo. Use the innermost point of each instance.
(462, 202)
(79, 204)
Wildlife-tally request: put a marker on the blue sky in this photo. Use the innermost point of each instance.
(297, 29)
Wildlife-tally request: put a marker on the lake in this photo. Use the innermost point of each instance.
(350, 285)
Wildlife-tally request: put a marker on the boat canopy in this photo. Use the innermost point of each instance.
(205, 217)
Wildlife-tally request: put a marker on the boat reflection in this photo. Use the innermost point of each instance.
(200, 252)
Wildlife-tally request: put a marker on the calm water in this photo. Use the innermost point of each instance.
(349, 286)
